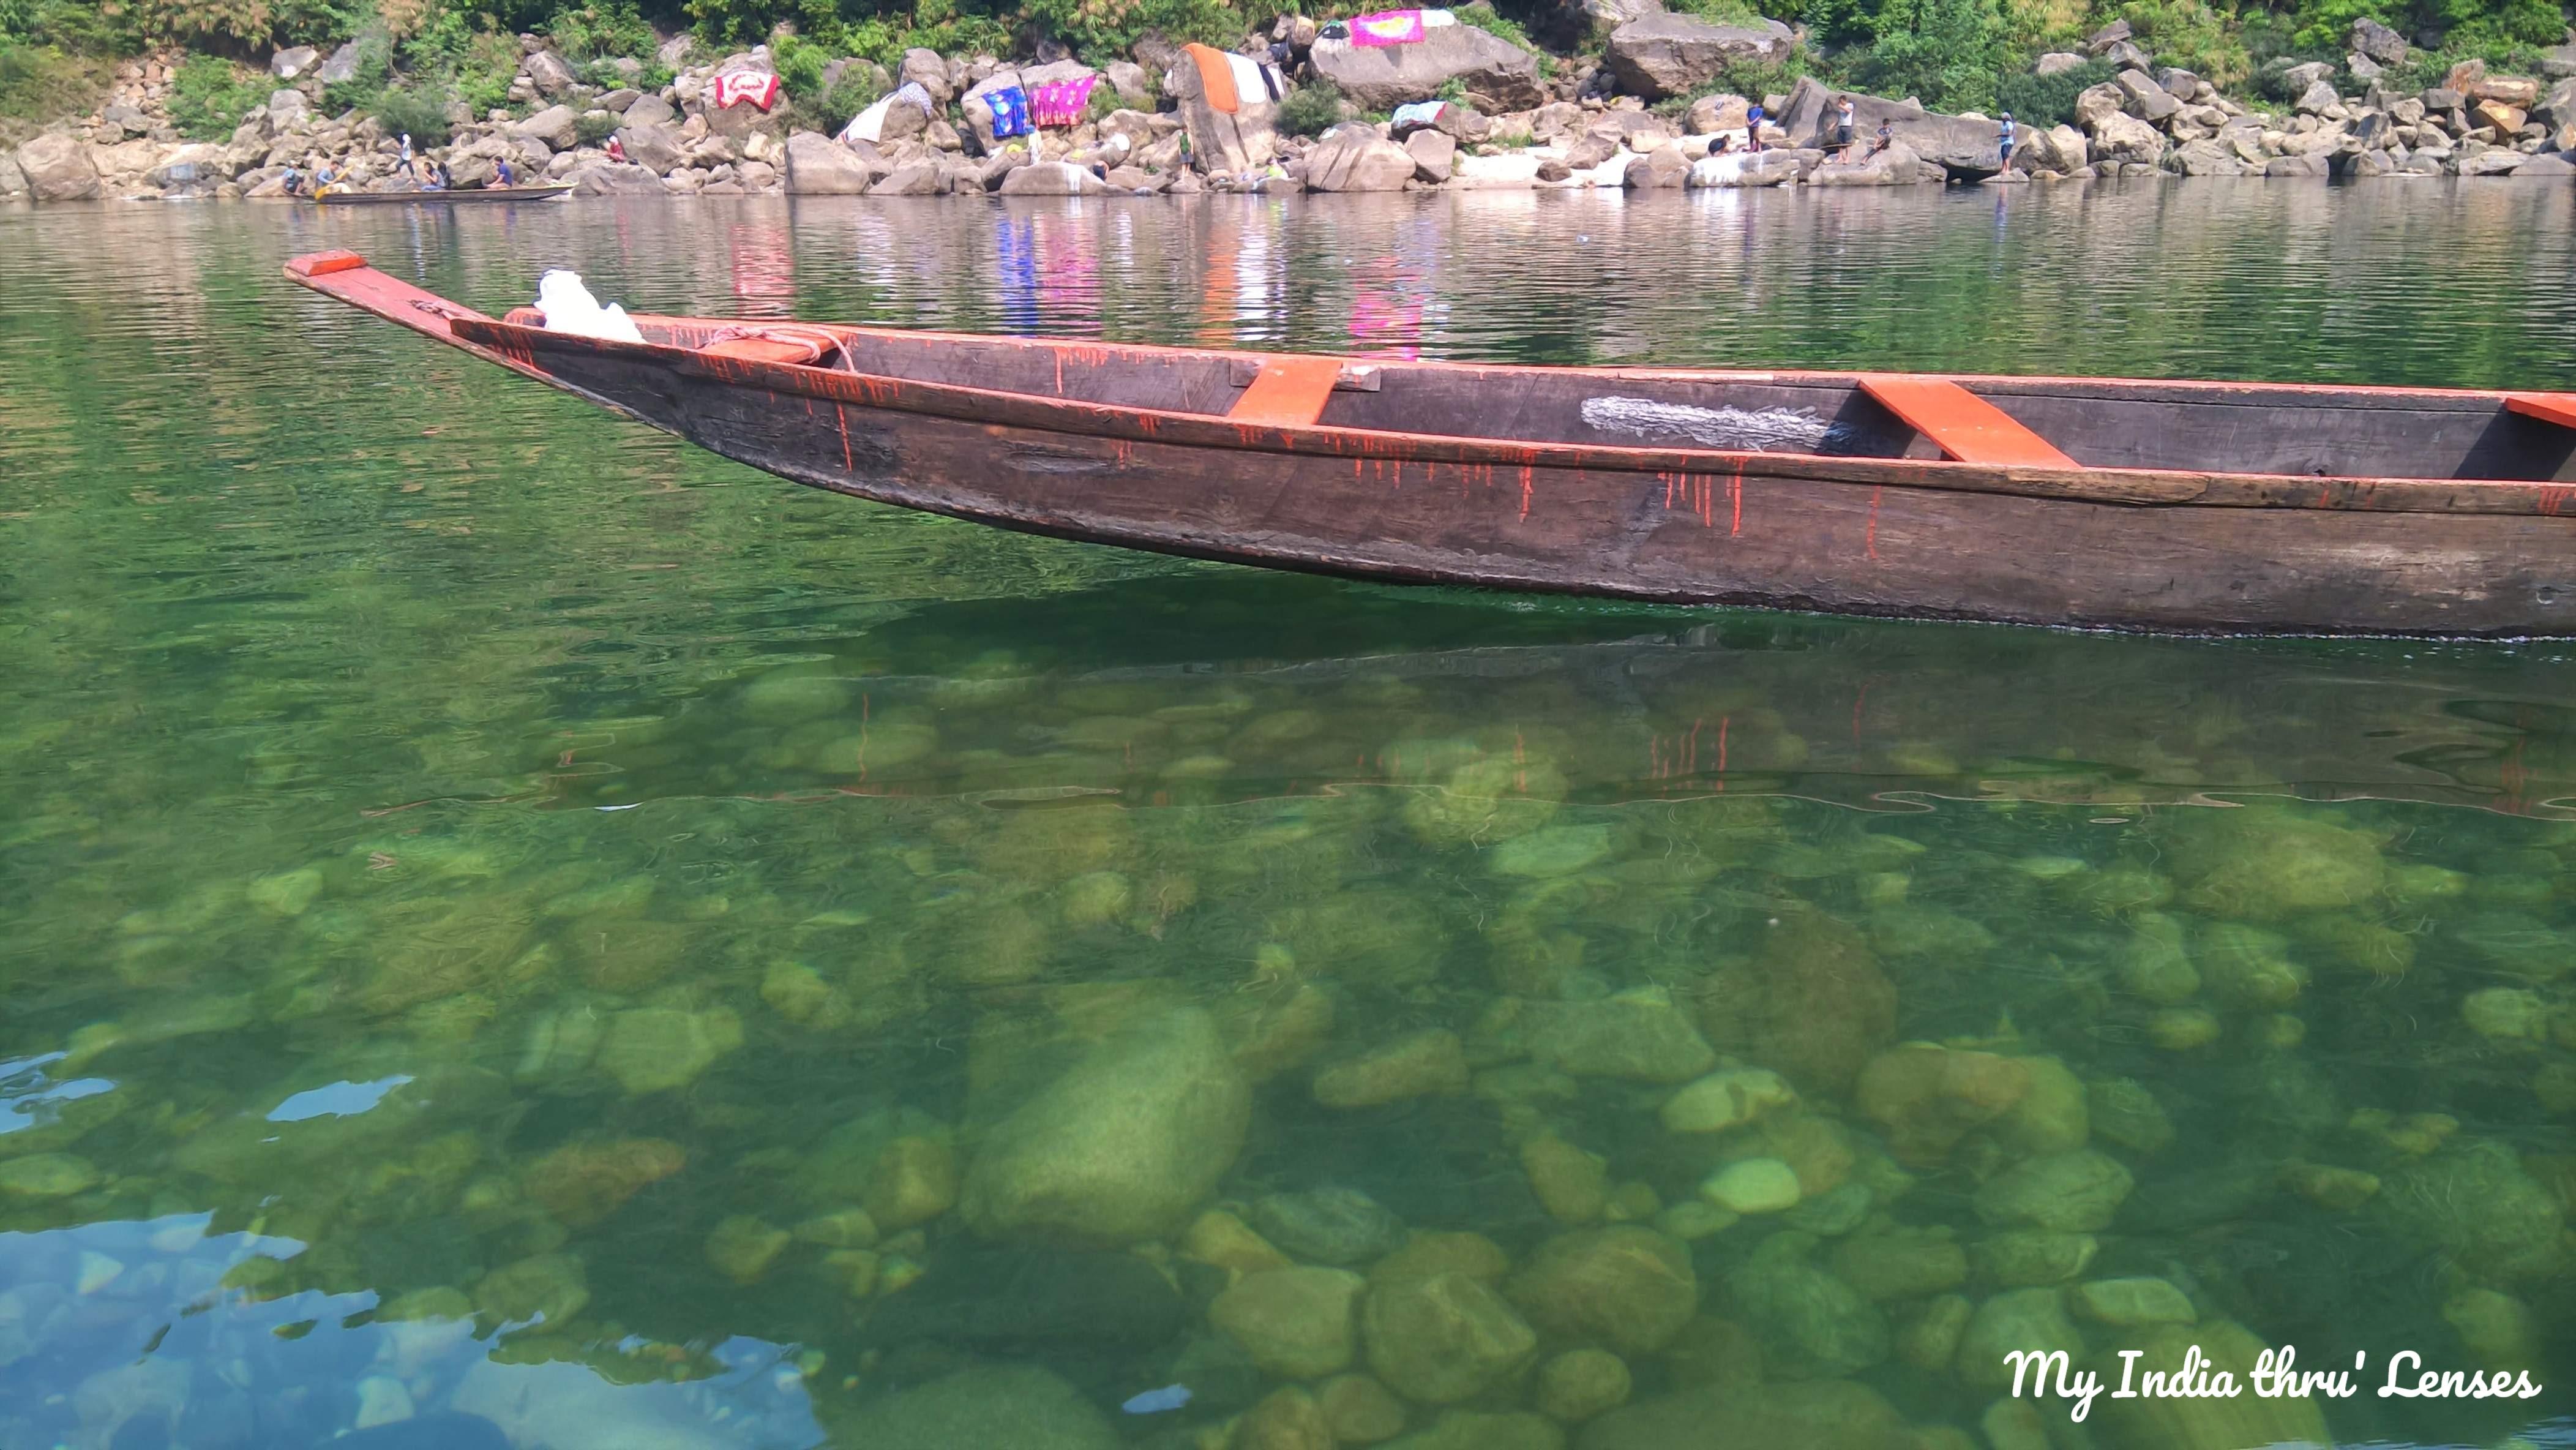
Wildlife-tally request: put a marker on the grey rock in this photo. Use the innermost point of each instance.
(1666, 165)
(1382, 77)
(342, 67)
(2057, 62)
(558, 126)
(2363, 68)
(2128, 57)
(1130, 80)
(2498, 162)
(651, 111)
(548, 72)
(2314, 165)
(817, 165)
(2180, 84)
(1222, 141)
(293, 61)
(618, 101)
(2296, 79)
(1967, 150)
(287, 108)
(1434, 153)
(1328, 1225)
(13, 184)
(921, 178)
(2106, 37)
(1675, 55)
(2146, 100)
(120, 121)
(2378, 42)
(58, 168)
(656, 148)
(1898, 165)
(1054, 178)
(607, 178)
(1354, 157)
(2316, 98)
(925, 67)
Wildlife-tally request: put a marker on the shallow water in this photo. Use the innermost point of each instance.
(512, 919)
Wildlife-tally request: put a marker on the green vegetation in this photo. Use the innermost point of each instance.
(1953, 54)
(208, 96)
(2042, 101)
(1311, 109)
(417, 112)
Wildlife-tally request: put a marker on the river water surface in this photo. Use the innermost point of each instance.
(515, 931)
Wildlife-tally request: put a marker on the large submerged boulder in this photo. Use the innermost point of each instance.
(1382, 77)
(1125, 1142)
(1657, 56)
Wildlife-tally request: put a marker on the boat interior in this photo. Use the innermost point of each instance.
(2199, 427)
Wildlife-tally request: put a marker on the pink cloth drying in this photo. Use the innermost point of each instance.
(759, 87)
(1387, 27)
(1061, 103)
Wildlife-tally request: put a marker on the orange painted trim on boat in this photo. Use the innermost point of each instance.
(324, 264)
(1289, 392)
(1963, 425)
(2558, 408)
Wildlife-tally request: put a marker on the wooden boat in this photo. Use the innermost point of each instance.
(2168, 506)
(439, 198)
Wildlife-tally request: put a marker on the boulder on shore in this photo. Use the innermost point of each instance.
(1895, 166)
(1223, 141)
(1382, 77)
(1054, 178)
(1674, 55)
(1969, 150)
(1354, 157)
(817, 165)
(611, 179)
(58, 168)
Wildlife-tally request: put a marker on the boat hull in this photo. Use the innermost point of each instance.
(1179, 451)
(495, 195)
(1748, 536)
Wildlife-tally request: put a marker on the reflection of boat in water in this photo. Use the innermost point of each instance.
(442, 198)
(1201, 689)
(2152, 505)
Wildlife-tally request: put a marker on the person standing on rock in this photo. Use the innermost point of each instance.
(2004, 144)
(1842, 137)
(1753, 129)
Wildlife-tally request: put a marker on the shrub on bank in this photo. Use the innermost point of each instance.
(417, 113)
(2043, 101)
(39, 82)
(208, 96)
(1311, 109)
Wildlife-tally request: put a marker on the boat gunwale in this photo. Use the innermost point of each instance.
(2125, 487)
(514, 344)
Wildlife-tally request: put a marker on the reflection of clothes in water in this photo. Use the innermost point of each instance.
(1017, 252)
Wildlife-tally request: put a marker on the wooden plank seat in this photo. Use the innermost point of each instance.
(1288, 392)
(778, 343)
(1961, 424)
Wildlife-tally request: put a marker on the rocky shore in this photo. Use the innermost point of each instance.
(1645, 114)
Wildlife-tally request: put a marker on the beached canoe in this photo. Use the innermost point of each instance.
(2173, 506)
(442, 198)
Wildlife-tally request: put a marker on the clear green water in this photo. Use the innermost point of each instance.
(507, 918)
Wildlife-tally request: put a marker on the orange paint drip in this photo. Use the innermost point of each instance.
(1525, 489)
(843, 419)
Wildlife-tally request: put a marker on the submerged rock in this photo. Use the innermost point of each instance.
(2075, 1192)
(581, 1184)
(1814, 1005)
(2267, 864)
(1003, 1407)
(1297, 1323)
(1626, 1287)
(1409, 1067)
(1830, 1414)
(655, 1049)
(2180, 1423)
(1928, 1098)
(1444, 1338)
(1329, 1225)
(2475, 1203)
(1581, 1383)
(2017, 1319)
(1810, 1322)
(1639, 1033)
(1123, 1145)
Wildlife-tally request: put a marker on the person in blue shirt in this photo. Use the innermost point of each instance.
(2004, 144)
(1753, 127)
